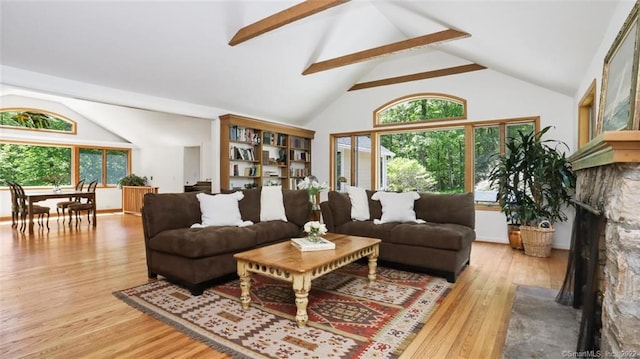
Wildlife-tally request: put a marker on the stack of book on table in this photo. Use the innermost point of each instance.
(305, 245)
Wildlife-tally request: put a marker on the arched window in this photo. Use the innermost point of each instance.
(36, 120)
(420, 108)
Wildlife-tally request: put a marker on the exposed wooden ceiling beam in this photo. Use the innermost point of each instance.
(286, 16)
(419, 76)
(429, 39)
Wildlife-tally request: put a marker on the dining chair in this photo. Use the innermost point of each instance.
(23, 208)
(15, 213)
(72, 200)
(83, 206)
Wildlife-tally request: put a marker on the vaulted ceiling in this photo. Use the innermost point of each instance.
(179, 50)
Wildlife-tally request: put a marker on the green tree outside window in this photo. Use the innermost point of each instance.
(36, 120)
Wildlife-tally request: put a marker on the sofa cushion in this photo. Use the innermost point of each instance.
(367, 229)
(434, 235)
(272, 231)
(204, 242)
(456, 208)
(340, 207)
(375, 207)
(359, 203)
(220, 209)
(396, 207)
(249, 205)
(297, 206)
(272, 204)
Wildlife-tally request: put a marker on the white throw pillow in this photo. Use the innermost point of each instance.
(220, 209)
(397, 207)
(359, 203)
(272, 204)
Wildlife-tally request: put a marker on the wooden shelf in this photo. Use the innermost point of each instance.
(267, 139)
(608, 148)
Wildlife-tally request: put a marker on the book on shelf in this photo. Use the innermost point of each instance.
(267, 138)
(305, 245)
(282, 139)
(241, 134)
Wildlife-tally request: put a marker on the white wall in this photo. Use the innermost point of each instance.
(164, 166)
(490, 95)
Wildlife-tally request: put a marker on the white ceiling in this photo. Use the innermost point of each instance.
(178, 50)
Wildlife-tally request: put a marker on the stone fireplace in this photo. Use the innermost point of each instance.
(608, 180)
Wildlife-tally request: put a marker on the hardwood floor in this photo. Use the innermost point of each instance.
(56, 301)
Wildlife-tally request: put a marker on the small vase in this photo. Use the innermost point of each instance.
(56, 188)
(314, 202)
(314, 237)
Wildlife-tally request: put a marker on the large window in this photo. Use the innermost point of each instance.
(437, 158)
(35, 165)
(44, 165)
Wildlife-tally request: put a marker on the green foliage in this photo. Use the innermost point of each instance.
(440, 152)
(534, 179)
(421, 109)
(35, 165)
(117, 164)
(487, 144)
(91, 164)
(132, 180)
(405, 174)
(34, 120)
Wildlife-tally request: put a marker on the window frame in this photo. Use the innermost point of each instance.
(74, 126)
(418, 96)
(469, 148)
(587, 115)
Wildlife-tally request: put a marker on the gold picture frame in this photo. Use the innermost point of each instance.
(619, 108)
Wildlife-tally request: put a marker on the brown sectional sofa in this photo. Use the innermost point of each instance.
(194, 257)
(442, 244)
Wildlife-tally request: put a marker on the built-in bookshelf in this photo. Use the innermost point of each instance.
(255, 153)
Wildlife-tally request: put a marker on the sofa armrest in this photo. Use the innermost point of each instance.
(327, 216)
(162, 211)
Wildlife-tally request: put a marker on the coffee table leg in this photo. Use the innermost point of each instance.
(373, 264)
(245, 284)
(301, 287)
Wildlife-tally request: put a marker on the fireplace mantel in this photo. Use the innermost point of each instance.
(608, 148)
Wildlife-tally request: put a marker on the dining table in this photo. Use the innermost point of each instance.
(33, 197)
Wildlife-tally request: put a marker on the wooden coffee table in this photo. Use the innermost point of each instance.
(284, 261)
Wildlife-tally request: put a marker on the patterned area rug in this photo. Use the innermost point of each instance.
(348, 317)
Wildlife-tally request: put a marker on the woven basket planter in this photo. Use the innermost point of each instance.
(537, 240)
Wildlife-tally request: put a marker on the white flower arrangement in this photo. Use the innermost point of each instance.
(315, 228)
(312, 185)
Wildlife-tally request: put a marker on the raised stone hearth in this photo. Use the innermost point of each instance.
(608, 171)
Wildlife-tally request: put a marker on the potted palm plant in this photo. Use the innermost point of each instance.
(535, 184)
